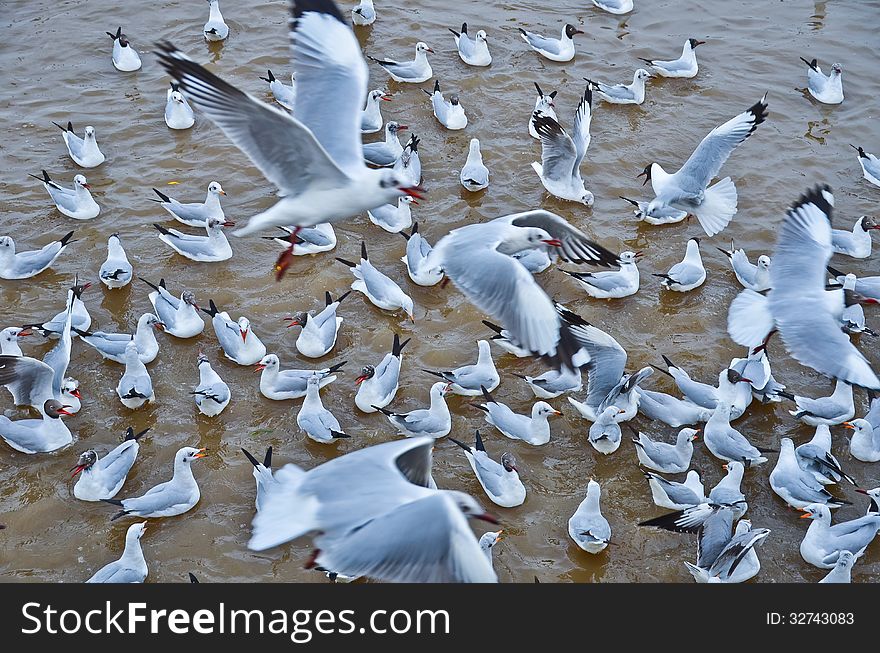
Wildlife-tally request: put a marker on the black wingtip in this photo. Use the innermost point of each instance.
(820, 196)
(345, 262)
(162, 230)
(668, 362)
(66, 239)
(478, 441)
(162, 196)
(339, 434)
(267, 459)
(131, 435)
(460, 444)
(397, 346)
(497, 329)
(301, 7)
(438, 374)
(487, 395)
(328, 298)
(250, 457)
(337, 367)
(151, 285)
(192, 578)
(364, 251)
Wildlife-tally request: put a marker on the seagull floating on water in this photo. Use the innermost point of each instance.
(178, 113)
(500, 481)
(24, 265)
(124, 57)
(211, 395)
(414, 72)
(84, 151)
(474, 52)
(194, 214)
(116, 271)
(102, 478)
(826, 89)
(684, 66)
(633, 93)
(216, 28)
(561, 49)
(76, 203)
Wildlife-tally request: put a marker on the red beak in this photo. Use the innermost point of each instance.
(77, 469)
(487, 517)
(554, 242)
(361, 379)
(244, 335)
(24, 332)
(414, 191)
(387, 98)
(401, 128)
(861, 491)
(260, 367)
(75, 393)
(229, 223)
(63, 411)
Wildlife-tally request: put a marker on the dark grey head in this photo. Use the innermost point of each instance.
(86, 460)
(508, 462)
(646, 173)
(571, 30)
(869, 223)
(735, 377)
(367, 372)
(189, 298)
(55, 409)
(453, 99)
(694, 43)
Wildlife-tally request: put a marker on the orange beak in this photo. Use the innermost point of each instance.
(201, 453)
(259, 368)
(848, 425)
(806, 515)
(244, 335)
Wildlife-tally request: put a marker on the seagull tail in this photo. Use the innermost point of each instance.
(718, 206)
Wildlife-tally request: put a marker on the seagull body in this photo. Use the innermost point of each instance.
(797, 487)
(84, 151)
(112, 346)
(377, 384)
(725, 442)
(448, 113)
(615, 6)
(561, 154)
(132, 566)
(684, 66)
(76, 203)
(102, 478)
(826, 89)
(279, 384)
(533, 429)
(855, 243)
(688, 274)
(79, 316)
(371, 116)
(284, 95)
(663, 457)
(474, 176)
(676, 496)
(178, 113)
(215, 29)
(671, 410)
(842, 572)
(385, 152)
(633, 93)
(24, 265)
(504, 339)
(318, 335)
(212, 394)
(195, 214)
(308, 240)
(469, 380)
(124, 57)
(816, 458)
(180, 316)
(212, 248)
(659, 215)
(116, 271)
(393, 218)
(543, 106)
(434, 421)
(613, 284)
(736, 561)
(238, 341)
(865, 442)
(408, 166)
(313, 419)
(604, 434)
(364, 13)
(379, 289)
(262, 475)
(587, 527)
(474, 52)
(750, 275)
(135, 388)
(832, 410)
(500, 481)
(413, 72)
(561, 49)
(823, 542)
(535, 260)
(756, 367)
(870, 165)
(418, 251)
(38, 435)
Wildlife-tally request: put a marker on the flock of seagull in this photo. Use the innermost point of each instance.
(376, 512)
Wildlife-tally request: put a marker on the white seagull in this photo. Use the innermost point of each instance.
(279, 384)
(313, 419)
(319, 331)
(132, 566)
(212, 394)
(414, 72)
(561, 49)
(473, 52)
(38, 435)
(418, 251)
(870, 165)
(215, 29)
(102, 478)
(473, 380)
(377, 384)
(124, 57)
(24, 265)
(684, 66)
(865, 442)
(262, 475)
(474, 176)
(212, 248)
(238, 341)
(112, 345)
(178, 113)
(500, 481)
(371, 116)
(194, 214)
(826, 89)
(532, 429)
(180, 317)
(84, 151)
(135, 388)
(116, 270)
(797, 487)
(633, 93)
(434, 421)
(832, 410)
(754, 276)
(76, 202)
(587, 527)
(855, 243)
(448, 113)
(393, 218)
(284, 95)
(689, 273)
(615, 6)
(663, 457)
(543, 106)
(823, 542)
(612, 284)
(364, 13)
(378, 288)
(387, 151)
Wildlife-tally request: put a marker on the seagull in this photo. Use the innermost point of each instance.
(604, 433)
(473, 52)
(757, 368)
(170, 498)
(116, 271)
(84, 151)
(387, 524)
(796, 486)
(827, 90)
(180, 316)
(474, 176)
(816, 458)
(633, 93)
(543, 106)
(615, 6)
(688, 189)
(262, 475)
(9, 340)
(754, 276)
(393, 218)
(488, 541)
(408, 166)
(448, 113)
(112, 346)
(561, 49)
(102, 478)
(238, 341)
(24, 265)
(865, 442)
(371, 116)
(684, 66)
(707, 396)
(671, 410)
(308, 240)
(874, 496)
(505, 340)
(135, 388)
(852, 318)
(842, 571)
(215, 29)
(688, 274)
(587, 527)
(76, 203)
(470, 380)
(385, 153)
(313, 419)
(870, 165)
(832, 410)
(660, 215)
(364, 13)
(212, 248)
(131, 567)
(868, 287)
(38, 435)
(418, 252)
(434, 421)
(723, 558)
(414, 72)
(676, 496)
(212, 394)
(663, 457)
(377, 384)
(726, 443)
(823, 542)
(79, 315)
(613, 284)
(324, 139)
(178, 113)
(284, 95)
(532, 429)
(500, 481)
(124, 56)
(195, 214)
(561, 154)
(318, 335)
(279, 384)
(553, 383)
(379, 289)
(856, 243)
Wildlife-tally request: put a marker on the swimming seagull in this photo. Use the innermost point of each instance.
(284, 95)
(116, 271)
(684, 66)
(532, 429)
(238, 341)
(828, 90)
(561, 49)
(726, 496)
(796, 486)
(212, 394)
(124, 57)
(378, 288)
(24, 265)
(102, 478)
(865, 442)
(473, 52)
(262, 475)
(279, 384)
(543, 106)
(135, 388)
(708, 396)
(842, 572)
(754, 276)
(488, 541)
(79, 314)
(9, 340)
(112, 345)
(474, 176)
(561, 154)
(823, 542)
(553, 383)
(212, 248)
(416, 71)
(180, 316)
(448, 113)
(76, 203)
(816, 458)
(194, 214)
(659, 216)
(170, 498)
(371, 116)
(318, 335)
(418, 251)
(324, 139)
(313, 419)
(473, 380)
(670, 410)
(38, 435)
(615, 6)
(178, 113)
(393, 218)
(308, 240)
(604, 434)
(832, 410)
(434, 421)
(215, 29)
(408, 166)
(870, 165)
(587, 527)
(855, 243)
(726, 443)
(688, 189)
(726, 558)
(84, 151)
(689, 273)
(612, 284)
(386, 152)
(500, 481)
(132, 566)
(664, 457)
(377, 384)
(633, 93)
(674, 495)
(364, 13)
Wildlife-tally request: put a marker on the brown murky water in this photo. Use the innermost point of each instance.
(56, 63)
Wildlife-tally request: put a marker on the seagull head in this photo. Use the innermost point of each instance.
(508, 462)
(189, 298)
(646, 173)
(571, 30)
(630, 257)
(422, 47)
(86, 460)
(836, 69)
(481, 36)
(469, 506)
(176, 96)
(215, 188)
(80, 180)
(393, 186)
(297, 319)
(694, 43)
(244, 326)
(367, 372)
(90, 132)
(269, 361)
(764, 262)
